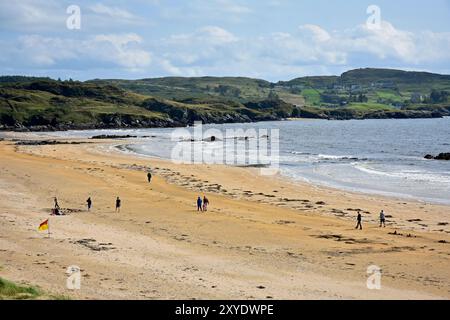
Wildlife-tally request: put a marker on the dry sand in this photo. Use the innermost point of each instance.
(263, 237)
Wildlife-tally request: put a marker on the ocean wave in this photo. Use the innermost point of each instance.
(325, 157)
(303, 153)
(335, 157)
(413, 175)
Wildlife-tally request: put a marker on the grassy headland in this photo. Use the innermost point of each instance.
(29, 103)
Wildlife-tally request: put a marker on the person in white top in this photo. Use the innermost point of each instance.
(382, 219)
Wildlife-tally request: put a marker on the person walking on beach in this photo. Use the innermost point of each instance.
(382, 219)
(149, 177)
(359, 219)
(118, 204)
(199, 204)
(205, 203)
(89, 203)
(56, 204)
(56, 209)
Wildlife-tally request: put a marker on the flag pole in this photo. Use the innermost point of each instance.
(48, 227)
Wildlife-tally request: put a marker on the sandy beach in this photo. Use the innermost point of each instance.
(262, 238)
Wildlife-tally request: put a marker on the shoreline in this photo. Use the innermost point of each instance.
(297, 241)
(295, 183)
(306, 181)
(44, 129)
(405, 192)
(115, 144)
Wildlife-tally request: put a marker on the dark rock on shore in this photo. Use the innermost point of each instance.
(44, 142)
(171, 116)
(211, 139)
(113, 136)
(350, 114)
(441, 156)
(103, 122)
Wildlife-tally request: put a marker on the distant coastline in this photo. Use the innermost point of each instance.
(44, 104)
(336, 115)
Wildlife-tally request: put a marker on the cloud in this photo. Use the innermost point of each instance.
(113, 50)
(390, 44)
(99, 16)
(45, 51)
(274, 3)
(209, 35)
(232, 7)
(113, 12)
(215, 35)
(200, 11)
(316, 32)
(51, 15)
(37, 15)
(202, 46)
(122, 50)
(214, 50)
(384, 42)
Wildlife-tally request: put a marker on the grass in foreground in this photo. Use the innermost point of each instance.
(12, 291)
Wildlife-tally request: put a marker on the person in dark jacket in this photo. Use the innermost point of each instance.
(56, 203)
(205, 203)
(199, 204)
(359, 221)
(118, 204)
(149, 177)
(89, 203)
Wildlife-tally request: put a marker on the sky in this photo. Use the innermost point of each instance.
(268, 39)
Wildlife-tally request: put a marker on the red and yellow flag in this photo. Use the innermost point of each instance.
(43, 226)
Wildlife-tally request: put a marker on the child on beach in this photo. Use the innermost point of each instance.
(56, 209)
(118, 204)
(56, 204)
(89, 203)
(205, 203)
(359, 219)
(199, 204)
(382, 219)
(149, 177)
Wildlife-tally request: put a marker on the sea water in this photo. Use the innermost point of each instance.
(372, 156)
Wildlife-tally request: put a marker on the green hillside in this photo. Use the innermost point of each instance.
(46, 104)
(177, 88)
(50, 104)
(404, 80)
(396, 89)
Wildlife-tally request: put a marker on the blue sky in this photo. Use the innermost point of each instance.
(269, 39)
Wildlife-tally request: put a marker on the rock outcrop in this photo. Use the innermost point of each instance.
(441, 156)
